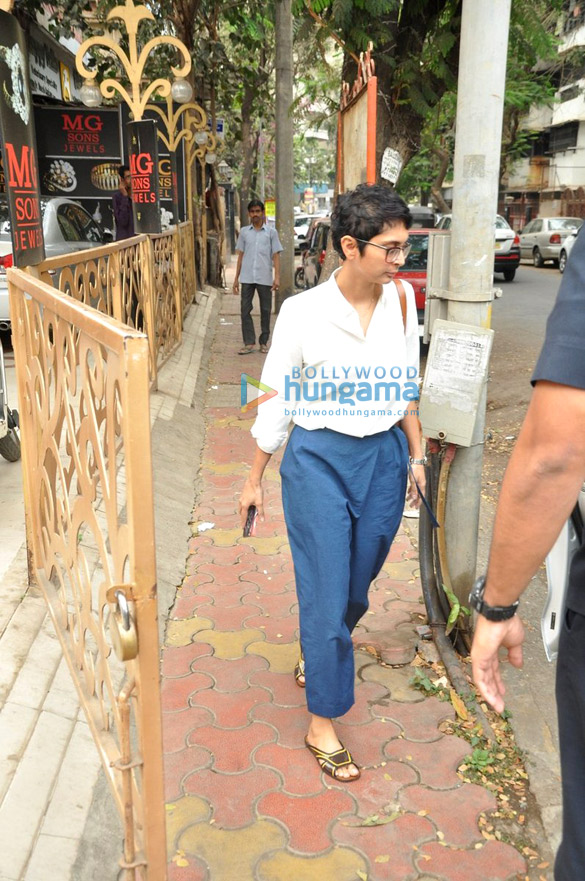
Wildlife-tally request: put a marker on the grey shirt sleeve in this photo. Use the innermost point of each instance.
(275, 241)
(562, 359)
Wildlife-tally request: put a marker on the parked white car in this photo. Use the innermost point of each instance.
(542, 238)
(506, 245)
(566, 249)
(67, 227)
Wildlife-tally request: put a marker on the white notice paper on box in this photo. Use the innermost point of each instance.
(456, 372)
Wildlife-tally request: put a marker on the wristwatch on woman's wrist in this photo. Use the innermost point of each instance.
(492, 613)
(422, 461)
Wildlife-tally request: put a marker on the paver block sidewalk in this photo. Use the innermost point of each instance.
(246, 800)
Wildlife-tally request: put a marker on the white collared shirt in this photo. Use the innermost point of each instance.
(328, 374)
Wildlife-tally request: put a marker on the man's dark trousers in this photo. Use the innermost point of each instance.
(570, 690)
(265, 294)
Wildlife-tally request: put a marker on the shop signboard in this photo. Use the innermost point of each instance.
(143, 137)
(79, 152)
(17, 138)
(172, 196)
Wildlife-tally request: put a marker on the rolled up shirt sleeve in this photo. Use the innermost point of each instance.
(274, 416)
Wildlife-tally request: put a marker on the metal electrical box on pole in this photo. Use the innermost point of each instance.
(467, 301)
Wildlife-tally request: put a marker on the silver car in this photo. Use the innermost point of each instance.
(67, 227)
(542, 238)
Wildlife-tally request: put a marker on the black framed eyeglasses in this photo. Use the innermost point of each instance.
(392, 254)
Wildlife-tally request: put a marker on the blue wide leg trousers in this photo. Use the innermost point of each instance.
(343, 499)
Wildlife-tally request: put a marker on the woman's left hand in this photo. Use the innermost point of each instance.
(412, 495)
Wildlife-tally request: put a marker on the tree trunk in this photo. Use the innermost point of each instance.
(249, 149)
(284, 146)
(436, 191)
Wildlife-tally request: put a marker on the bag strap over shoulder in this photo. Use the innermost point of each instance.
(402, 295)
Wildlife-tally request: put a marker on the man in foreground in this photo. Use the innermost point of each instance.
(540, 487)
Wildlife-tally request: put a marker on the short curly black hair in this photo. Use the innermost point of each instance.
(364, 213)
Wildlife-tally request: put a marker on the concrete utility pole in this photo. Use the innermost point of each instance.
(284, 147)
(480, 103)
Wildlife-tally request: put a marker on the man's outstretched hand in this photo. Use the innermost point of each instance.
(489, 636)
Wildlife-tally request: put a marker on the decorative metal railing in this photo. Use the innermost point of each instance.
(145, 282)
(188, 279)
(167, 301)
(83, 381)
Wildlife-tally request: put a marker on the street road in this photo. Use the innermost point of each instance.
(519, 321)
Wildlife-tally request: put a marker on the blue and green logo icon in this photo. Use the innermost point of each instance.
(249, 384)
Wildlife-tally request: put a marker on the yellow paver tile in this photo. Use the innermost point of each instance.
(229, 644)
(396, 679)
(224, 538)
(232, 853)
(226, 467)
(180, 631)
(273, 544)
(402, 570)
(341, 864)
(281, 657)
(182, 814)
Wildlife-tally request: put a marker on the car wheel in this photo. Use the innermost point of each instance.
(537, 258)
(562, 261)
(509, 274)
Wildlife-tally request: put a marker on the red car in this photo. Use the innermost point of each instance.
(415, 269)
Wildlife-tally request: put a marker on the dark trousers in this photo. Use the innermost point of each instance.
(247, 297)
(343, 499)
(570, 691)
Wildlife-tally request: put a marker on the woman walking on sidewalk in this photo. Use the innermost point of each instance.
(344, 361)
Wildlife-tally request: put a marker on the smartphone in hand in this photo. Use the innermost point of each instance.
(250, 524)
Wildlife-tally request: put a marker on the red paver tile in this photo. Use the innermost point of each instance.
(232, 675)
(296, 766)
(233, 796)
(177, 660)
(368, 743)
(226, 594)
(196, 581)
(279, 630)
(494, 861)
(219, 572)
(180, 765)
(232, 710)
(396, 839)
(285, 691)
(176, 693)
(308, 818)
(419, 721)
(195, 871)
(366, 693)
(232, 748)
(178, 724)
(187, 605)
(454, 811)
(277, 605)
(291, 723)
(436, 763)
(377, 789)
(275, 581)
(227, 617)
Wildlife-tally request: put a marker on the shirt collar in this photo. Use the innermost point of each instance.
(341, 312)
(261, 228)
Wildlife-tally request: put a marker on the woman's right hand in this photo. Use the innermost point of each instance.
(252, 494)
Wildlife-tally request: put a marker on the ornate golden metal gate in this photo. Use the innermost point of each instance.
(84, 406)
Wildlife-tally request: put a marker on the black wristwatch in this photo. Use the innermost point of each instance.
(492, 613)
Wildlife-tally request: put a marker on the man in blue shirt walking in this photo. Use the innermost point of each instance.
(258, 248)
